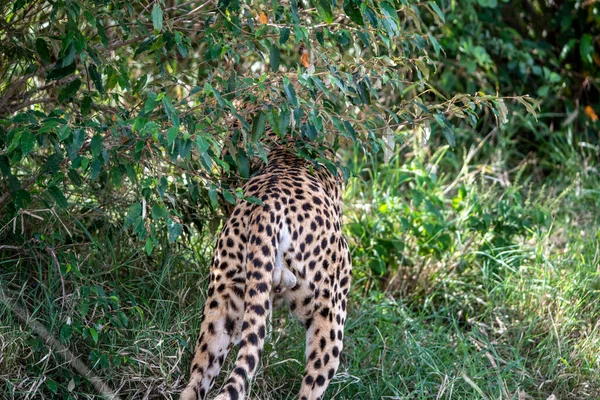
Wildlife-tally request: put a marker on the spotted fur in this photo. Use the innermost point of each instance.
(289, 249)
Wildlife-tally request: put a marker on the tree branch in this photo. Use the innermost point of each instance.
(37, 328)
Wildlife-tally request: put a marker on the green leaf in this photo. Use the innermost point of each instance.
(258, 126)
(96, 77)
(290, 92)
(159, 211)
(86, 105)
(52, 385)
(48, 126)
(446, 128)
(69, 91)
(69, 55)
(133, 213)
(352, 10)
(42, 49)
(274, 58)
(254, 200)
(58, 196)
(284, 35)
(586, 49)
(65, 333)
(170, 110)
(149, 245)
(213, 197)
(175, 229)
(172, 133)
(95, 168)
(437, 10)
(94, 334)
(436, 45)
(101, 32)
(243, 164)
(27, 142)
(52, 164)
(324, 10)
(228, 197)
(63, 133)
(157, 17)
(390, 19)
(96, 145)
(61, 72)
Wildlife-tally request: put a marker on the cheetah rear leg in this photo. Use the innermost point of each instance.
(220, 330)
(323, 349)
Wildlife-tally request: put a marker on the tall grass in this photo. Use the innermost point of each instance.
(473, 279)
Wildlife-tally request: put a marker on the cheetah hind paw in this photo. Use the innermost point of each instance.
(283, 278)
(188, 394)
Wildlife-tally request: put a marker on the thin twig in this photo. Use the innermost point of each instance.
(62, 280)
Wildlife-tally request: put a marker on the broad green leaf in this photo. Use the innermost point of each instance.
(16, 140)
(52, 385)
(149, 246)
(159, 211)
(230, 198)
(96, 77)
(352, 10)
(243, 164)
(48, 126)
(86, 105)
(133, 213)
(64, 132)
(436, 45)
(290, 92)
(254, 200)
(284, 35)
(96, 145)
(390, 19)
(175, 229)
(586, 49)
(94, 334)
(27, 142)
(324, 10)
(172, 133)
(213, 197)
(41, 47)
(170, 111)
(58, 196)
(258, 126)
(65, 333)
(437, 10)
(157, 17)
(69, 90)
(61, 72)
(95, 168)
(101, 32)
(274, 58)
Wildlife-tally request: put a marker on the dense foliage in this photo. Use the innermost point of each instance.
(471, 211)
(136, 98)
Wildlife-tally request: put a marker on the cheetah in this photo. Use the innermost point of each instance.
(288, 249)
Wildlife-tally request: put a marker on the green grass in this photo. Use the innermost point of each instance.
(464, 287)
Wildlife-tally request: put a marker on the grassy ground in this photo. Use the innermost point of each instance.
(473, 279)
